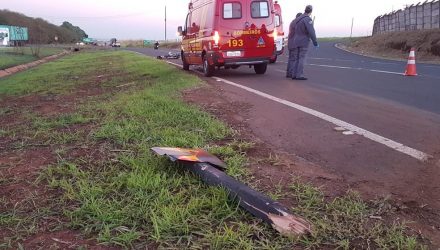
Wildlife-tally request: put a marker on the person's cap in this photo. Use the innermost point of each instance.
(309, 9)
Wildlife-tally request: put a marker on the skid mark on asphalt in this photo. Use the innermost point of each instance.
(350, 127)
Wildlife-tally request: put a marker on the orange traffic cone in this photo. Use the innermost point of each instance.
(411, 66)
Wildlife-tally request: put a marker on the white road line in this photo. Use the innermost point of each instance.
(175, 64)
(387, 72)
(342, 67)
(139, 53)
(319, 58)
(367, 134)
(419, 155)
(386, 63)
(329, 66)
(344, 60)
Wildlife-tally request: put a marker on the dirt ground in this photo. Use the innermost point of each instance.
(273, 167)
(23, 157)
(396, 45)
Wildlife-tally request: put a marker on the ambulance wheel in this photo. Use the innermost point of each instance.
(208, 70)
(185, 65)
(260, 69)
(235, 66)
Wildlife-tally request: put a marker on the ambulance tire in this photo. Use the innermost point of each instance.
(208, 70)
(185, 65)
(260, 69)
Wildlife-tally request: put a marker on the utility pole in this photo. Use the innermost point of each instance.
(352, 23)
(165, 23)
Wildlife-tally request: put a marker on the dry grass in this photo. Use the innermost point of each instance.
(398, 44)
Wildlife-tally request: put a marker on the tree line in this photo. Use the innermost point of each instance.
(41, 31)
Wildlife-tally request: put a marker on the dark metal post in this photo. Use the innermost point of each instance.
(352, 22)
(254, 202)
(165, 23)
(199, 162)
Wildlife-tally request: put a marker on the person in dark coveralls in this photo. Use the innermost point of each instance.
(290, 37)
(301, 31)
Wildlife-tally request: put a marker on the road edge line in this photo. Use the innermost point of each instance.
(419, 155)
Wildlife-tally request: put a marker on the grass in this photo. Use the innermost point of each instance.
(125, 196)
(140, 44)
(11, 57)
(345, 221)
(64, 75)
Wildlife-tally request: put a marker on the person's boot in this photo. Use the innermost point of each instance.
(302, 78)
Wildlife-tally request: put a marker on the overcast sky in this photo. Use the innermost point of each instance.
(144, 19)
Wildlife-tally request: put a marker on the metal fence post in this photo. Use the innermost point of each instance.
(421, 16)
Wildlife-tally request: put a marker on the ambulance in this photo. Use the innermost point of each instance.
(279, 42)
(229, 33)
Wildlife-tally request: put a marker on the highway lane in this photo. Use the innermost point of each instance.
(399, 108)
(337, 57)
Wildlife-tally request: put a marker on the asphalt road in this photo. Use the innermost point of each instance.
(371, 94)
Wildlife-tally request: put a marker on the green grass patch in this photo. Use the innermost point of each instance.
(139, 197)
(130, 198)
(70, 72)
(15, 56)
(65, 120)
(345, 222)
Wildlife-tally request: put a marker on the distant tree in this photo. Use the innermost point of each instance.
(79, 33)
(41, 31)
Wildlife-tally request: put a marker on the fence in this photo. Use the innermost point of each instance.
(414, 17)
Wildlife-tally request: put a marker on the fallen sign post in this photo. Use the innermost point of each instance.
(209, 169)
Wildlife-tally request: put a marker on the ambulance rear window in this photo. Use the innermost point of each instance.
(232, 10)
(259, 9)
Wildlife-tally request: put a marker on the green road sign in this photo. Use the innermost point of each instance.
(148, 42)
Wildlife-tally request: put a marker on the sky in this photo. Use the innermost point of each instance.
(144, 19)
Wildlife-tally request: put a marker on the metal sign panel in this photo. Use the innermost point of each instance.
(148, 42)
(18, 33)
(4, 36)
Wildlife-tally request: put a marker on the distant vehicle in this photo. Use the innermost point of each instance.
(279, 42)
(156, 45)
(225, 33)
(114, 43)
